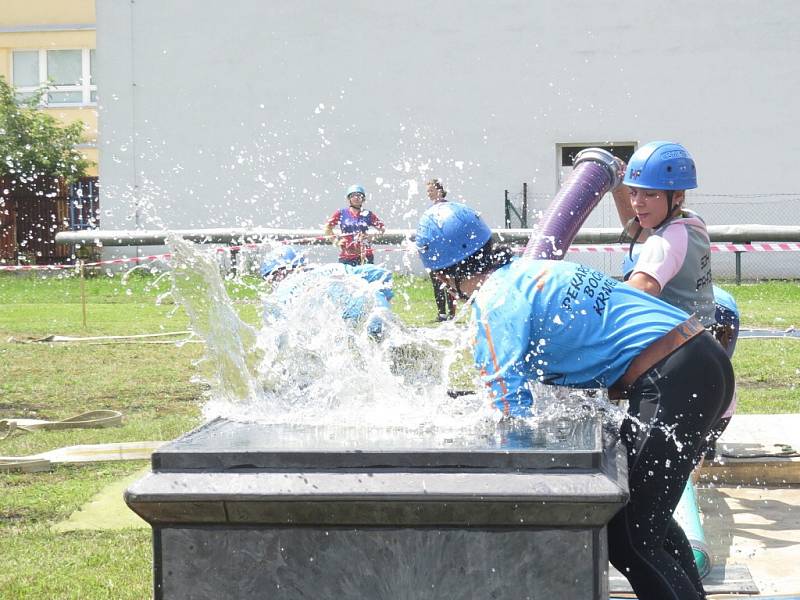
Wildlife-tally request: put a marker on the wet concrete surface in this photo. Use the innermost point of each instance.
(751, 505)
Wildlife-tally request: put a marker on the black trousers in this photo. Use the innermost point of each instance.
(673, 407)
(444, 300)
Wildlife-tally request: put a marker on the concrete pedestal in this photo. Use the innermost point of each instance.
(264, 511)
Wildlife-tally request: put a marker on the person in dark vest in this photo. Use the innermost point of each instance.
(354, 223)
(673, 260)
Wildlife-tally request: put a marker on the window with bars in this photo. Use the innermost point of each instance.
(67, 73)
(567, 152)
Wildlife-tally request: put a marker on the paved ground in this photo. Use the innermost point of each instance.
(758, 528)
(756, 522)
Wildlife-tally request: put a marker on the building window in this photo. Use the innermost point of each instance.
(565, 154)
(623, 150)
(68, 75)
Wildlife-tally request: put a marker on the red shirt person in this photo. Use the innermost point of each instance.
(354, 222)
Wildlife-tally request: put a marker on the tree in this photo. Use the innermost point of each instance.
(36, 148)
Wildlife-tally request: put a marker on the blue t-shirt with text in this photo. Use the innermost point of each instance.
(560, 323)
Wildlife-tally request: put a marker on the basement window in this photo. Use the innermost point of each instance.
(567, 152)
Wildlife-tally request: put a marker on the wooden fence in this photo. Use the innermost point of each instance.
(30, 219)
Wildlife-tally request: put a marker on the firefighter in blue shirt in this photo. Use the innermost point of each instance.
(342, 284)
(362, 294)
(565, 324)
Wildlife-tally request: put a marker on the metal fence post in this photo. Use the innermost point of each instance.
(738, 267)
(524, 219)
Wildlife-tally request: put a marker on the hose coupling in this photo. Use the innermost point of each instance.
(604, 158)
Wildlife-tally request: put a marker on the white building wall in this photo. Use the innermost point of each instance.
(261, 113)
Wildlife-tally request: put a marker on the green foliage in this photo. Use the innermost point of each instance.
(34, 146)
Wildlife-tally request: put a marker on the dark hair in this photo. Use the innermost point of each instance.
(488, 258)
(438, 185)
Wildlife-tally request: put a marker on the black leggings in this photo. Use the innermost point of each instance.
(444, 300)
(673, 407)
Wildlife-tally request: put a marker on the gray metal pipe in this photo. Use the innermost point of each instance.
(144, 237)
(587, 235)
(222, 235)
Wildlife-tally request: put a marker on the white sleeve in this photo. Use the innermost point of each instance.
(662, 255)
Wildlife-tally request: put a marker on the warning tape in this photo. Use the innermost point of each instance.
(757, 247)
(114, 261)
(587, 248)
(715, 247)
(143, 259)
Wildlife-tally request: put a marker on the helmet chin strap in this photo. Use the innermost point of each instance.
(670, 210)
(455, 285)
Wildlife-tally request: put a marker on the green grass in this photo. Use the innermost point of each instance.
(39, 563)
(768, 370)
(768, 375)
(149, 383)
(152, 385)
(85, 565)
(772, 304)
(34, 305)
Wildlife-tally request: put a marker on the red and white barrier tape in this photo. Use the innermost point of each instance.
(114, 261)
(715, 247)
(587, 248)
(757, 247)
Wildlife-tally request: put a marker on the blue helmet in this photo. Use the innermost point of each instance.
(284, 258)
(661, 166)
(356, 189)
(449, 232)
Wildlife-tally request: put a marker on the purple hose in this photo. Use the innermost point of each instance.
(594, 174)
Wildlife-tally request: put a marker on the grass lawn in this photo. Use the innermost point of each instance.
(151, 383)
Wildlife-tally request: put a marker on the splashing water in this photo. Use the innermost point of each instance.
(303, 363)
(198, 286)
(308, 362)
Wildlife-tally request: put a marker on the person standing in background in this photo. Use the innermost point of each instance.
(445, 302)
(354, 222)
